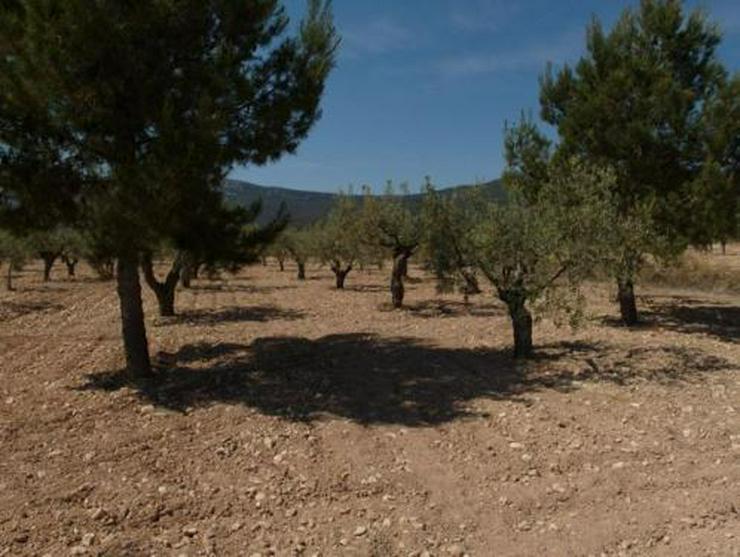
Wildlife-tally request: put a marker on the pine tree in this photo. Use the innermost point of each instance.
(133, 111)
(634, 103)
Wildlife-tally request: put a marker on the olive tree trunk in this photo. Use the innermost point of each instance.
(164, 291)
(340, 274)
(627, 303)
(301, 270)
(187, 274)
(9, 278)
(49, 257)
(133, 328)
(398, 272)
(71, 263)
(281, 263)
(521, 324)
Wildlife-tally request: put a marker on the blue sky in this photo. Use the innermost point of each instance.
(423, 87)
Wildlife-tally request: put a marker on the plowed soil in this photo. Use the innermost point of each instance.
(288, 418)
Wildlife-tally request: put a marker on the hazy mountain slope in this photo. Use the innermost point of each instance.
(306, 207)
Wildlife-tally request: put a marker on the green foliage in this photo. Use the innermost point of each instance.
(14, 251)
(389, 223)
(716, 190)
(338, 236)
(537, 249)
(300, 243)
(634, 103)
(447, 247)
(133, 113)
(528, 155)
(195, 87)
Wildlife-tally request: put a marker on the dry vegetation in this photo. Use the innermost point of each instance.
(293, 419)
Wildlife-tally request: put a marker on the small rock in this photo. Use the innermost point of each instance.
(515, 445)
(618, 465)
(21, 538)
(360, 531)
(190, 531)
(456, 550)
(88, 539)
(98, 513)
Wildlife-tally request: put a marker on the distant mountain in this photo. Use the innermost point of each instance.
(306, 207)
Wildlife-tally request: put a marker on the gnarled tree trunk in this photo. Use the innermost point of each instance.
(49, 258)
(398, 272)
(281, 263)
(340, 274)
(627, 303)
(521, 323)
(9, 278)
(132, 317)
(301, 270)
(71, 263)
(164, 291)
(187, 273)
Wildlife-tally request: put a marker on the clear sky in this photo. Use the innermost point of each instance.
(423, 87)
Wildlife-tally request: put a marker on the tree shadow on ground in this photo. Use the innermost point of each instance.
(232, 287)
(366, 287)
(10, 309)
(719, 321)
(448, 308)
(370, 379)
(233, 315)
(687, 315)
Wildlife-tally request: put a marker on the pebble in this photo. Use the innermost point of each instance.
(360, 531)
(456, 550)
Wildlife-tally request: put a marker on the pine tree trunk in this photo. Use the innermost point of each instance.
(521, 323)
(9, 278)
(49, 258)
(400, 265)
(627, 303)
(301, 270)
(132, 317)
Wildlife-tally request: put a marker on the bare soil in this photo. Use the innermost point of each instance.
(289, 418)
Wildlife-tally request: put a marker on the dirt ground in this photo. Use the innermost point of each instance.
(292, 419)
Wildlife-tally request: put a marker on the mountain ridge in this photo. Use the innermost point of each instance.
(306, 207)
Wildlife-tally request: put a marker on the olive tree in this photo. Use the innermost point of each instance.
(537, 249)
(14, 252)
(389, 223)
(446, 245)
(301, 244)
(338, 237)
